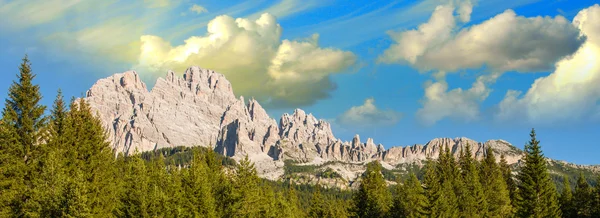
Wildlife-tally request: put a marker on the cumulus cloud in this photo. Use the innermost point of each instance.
(254, 58)
(571, 93)
(368, 114)
(198, 9)
(505, 42)
(458, 104)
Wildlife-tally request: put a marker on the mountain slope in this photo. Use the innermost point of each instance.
(200, 109)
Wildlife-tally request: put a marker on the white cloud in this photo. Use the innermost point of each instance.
(571, 93)
(368, 114)
(505, 42)
(198, 9)
(254, 58)
(459, 104)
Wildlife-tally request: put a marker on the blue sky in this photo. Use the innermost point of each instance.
(401, 72)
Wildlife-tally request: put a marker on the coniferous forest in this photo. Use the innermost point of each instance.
(56, 162)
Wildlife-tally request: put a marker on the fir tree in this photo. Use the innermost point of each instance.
(134, 202)
(246, 191)
(496, 193)
(583, 198)
(317, 205)
(410, 200)
(566, 200)
(537, 193)
(88, 153)
(440, 193)
(596, 198)
(372, 198)
(473, 201)
(510, 182)
(22, 126)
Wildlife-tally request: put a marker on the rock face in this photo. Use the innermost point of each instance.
(200, 109)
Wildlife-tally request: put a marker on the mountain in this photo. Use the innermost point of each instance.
(201, 109)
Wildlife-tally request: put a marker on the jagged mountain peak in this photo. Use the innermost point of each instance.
(200, 109)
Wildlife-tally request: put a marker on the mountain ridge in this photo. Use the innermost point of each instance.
(201, 109)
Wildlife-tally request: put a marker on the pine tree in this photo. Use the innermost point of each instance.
(510, 182)
(318, 208)
(410, 200)
(583, 198)
(566, 200)
(537, 193)
(158, 190)
(372, 198)
(49, 172)
(197, 189)
(596, 198)
(88, 154)
(472, 202)
(246, 191)
(22, 127)
(439, 192)
(496, 193)
(134, 202)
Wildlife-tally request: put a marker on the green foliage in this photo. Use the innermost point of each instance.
(410, 200)
(372, 198)
(583, 198)
(472, 201)
(537, 194)
(494, 184)
(566, 200)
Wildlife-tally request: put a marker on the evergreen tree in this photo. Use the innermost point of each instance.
(537, 193)
(596, 199)
(246, 191)
(583, 198)
(439, 192)
(510, 182)
(134, 202)
(410, 200)
(88, 154)
(22, 126)
(372, 198)
(472, 202)
(318, 208)
(496, 193)
(566, 200)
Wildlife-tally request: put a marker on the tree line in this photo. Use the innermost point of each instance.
(61, 165)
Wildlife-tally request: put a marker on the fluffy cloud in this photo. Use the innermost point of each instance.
(254, 58)
(571, 93)
(368, 115)
(198, 9)
(505, 42)
(459, 104)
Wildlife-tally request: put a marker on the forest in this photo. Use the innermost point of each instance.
(58, 163)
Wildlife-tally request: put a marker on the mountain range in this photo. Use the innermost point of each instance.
(201, 109)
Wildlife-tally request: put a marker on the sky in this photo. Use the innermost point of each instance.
(400, 72)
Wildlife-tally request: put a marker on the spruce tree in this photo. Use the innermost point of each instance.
(440, 193)
(496, 193)
(583, 198)
(510, 182)
(88, 154)
(372, 198)
(566, 199)
(472, 202)
(410, 200)
(22, 127)
(596, 198)
(537, 193)
(317, 208)
(246, 191)
(134, 201)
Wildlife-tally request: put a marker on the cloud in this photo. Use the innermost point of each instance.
(367, 115)
(505, 42)
(198, 9)
(289, 7)
(458, 104)
(24, 14)
(571, 93)
(254, 58)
